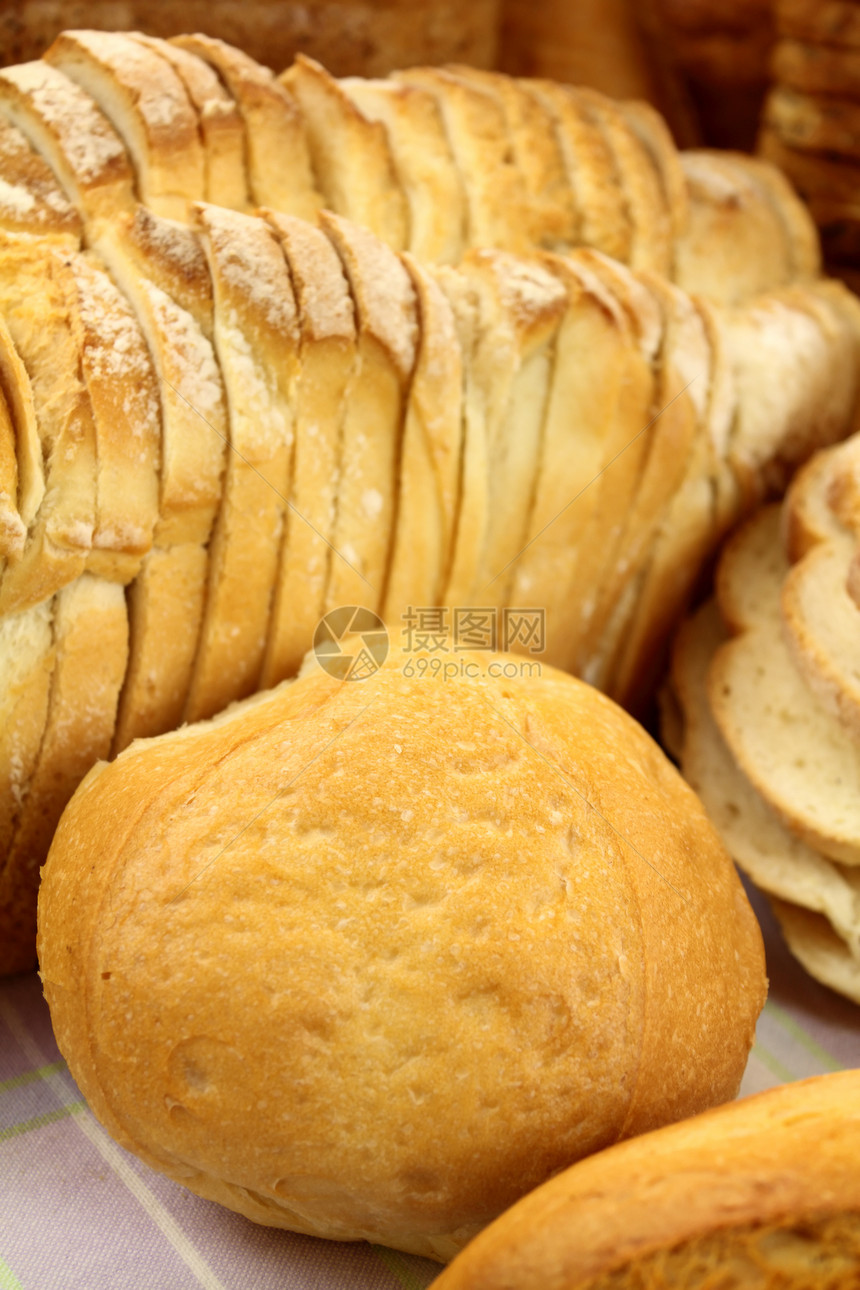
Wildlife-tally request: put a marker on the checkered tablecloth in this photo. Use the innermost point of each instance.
(79, 1213)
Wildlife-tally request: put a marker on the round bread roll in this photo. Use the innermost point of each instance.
(764, 1192)
(373, 959)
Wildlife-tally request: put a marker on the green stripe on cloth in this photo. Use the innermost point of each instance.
(773, 1064)
(17, 1081)
(8, 1280)
(409, 1279)
(38, 1121)
(791, 1027)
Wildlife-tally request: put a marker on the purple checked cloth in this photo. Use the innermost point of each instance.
(78, 1213)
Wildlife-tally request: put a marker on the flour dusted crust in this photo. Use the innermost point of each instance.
(403, 806)
(765, 1187)
(66, 126)
(148, 106)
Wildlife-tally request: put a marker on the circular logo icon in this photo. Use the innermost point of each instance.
(351, 643)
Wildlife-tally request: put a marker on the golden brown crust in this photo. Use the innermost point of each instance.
(637, 1215)
(296, 920)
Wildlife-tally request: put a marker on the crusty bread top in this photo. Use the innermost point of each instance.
(459, 933)
(783, 1159)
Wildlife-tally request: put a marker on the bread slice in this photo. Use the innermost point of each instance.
(816, 176)
(807, 516)
(682, 373)
(26, 665)
(120, 380)
(591, 354)
(72, 134)
(165, 610)
(816, 68)
(795, 753)
(471, 517)
(521, 306)
(822, 629)
(654, 134)
(812, 123)
(603, 220)
(13, 530)
(222, 130)
(28, 468)
(167, 254)
(650, 227)
(375, 407)
(427, 501)
(736, 245)
(830, 22)
(31, 199)
(37, 300)
(537, 156)
(167, 597)
(148, 106)
(278, 166)
(424, 164)
(794, 370)
(327, 357)
(497, 206)
(90, 628)
(350, 154)
(625, 450)
(817, 946)
(777, 861)
(257, 345)
(194, 430)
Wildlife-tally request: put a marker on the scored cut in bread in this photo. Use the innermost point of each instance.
(222, 130)
(423, 161)
(804, 244)
(148, 106)
(26, 665)
(31, 199)
(790, 747)
(780, 863)
(350, 154)
(603, 221)
(278, 166)
(427, 500)
(327, 356)
(374, 409)
(520, 307)
(38, 302)
(256, 342)
(90, 647)
(120, 380)
(650, 228)
(72, 134)
(497, 206)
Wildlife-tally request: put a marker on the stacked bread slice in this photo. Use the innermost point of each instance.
(214, 429)
(766, 684)
(811, 118)
(433, 161)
